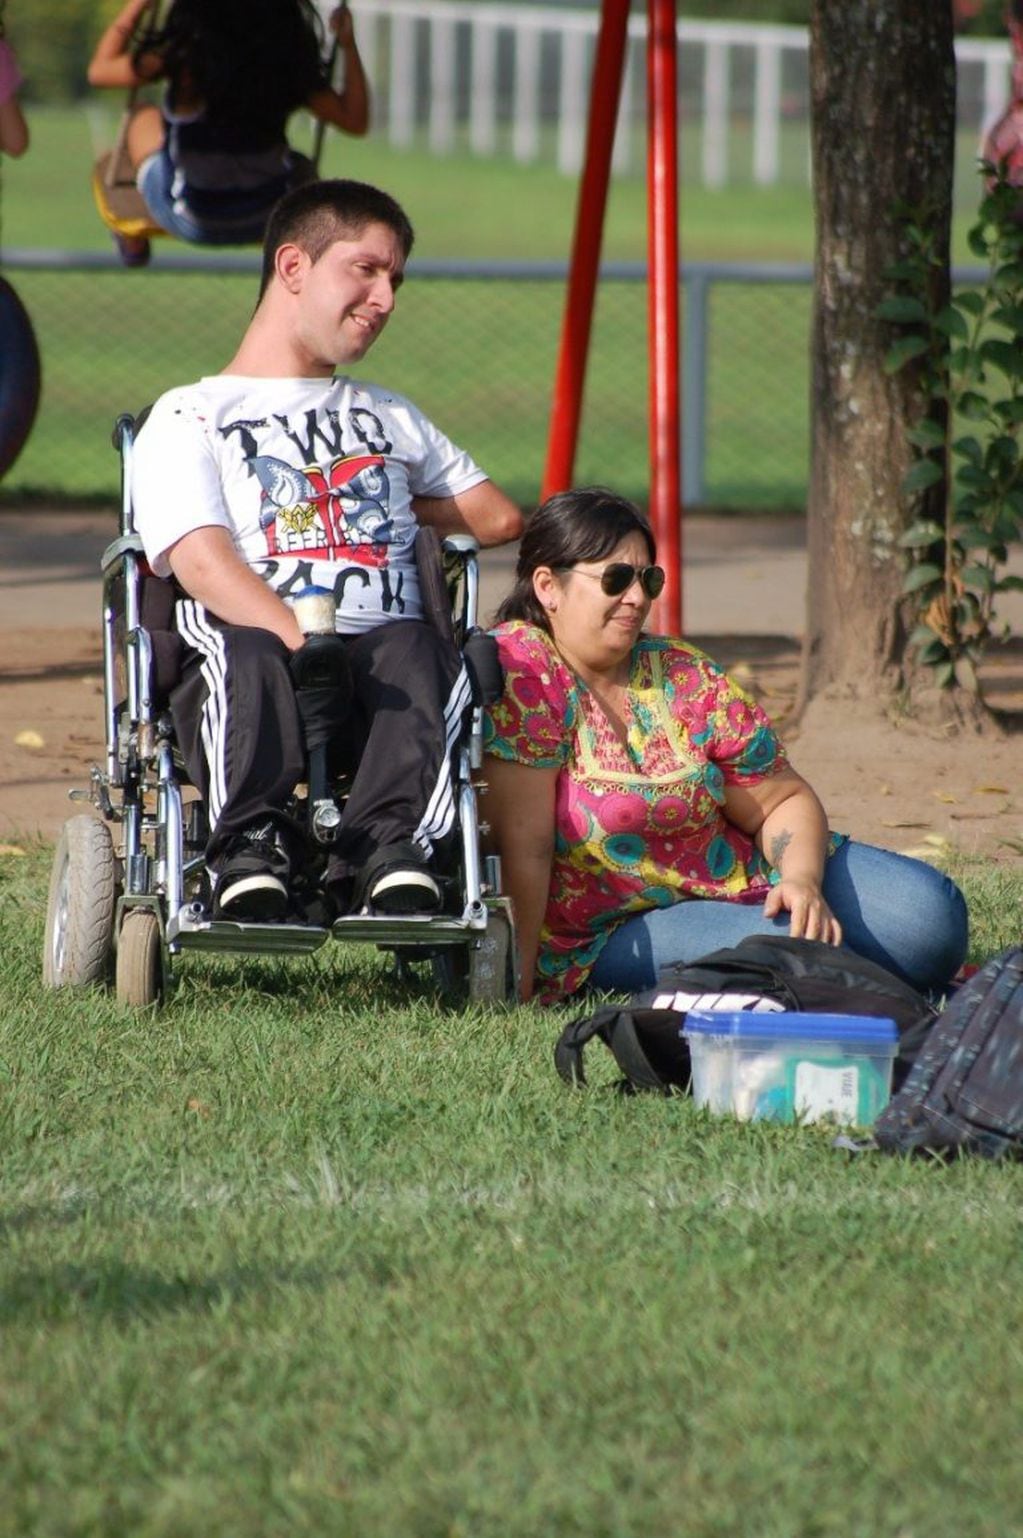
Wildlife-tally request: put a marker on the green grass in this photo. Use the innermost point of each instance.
(306, 1252)
(478, 356)
(464, 207)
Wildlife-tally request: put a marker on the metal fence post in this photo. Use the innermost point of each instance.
(695, 284)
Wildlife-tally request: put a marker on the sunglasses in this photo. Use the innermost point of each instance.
(617, 578)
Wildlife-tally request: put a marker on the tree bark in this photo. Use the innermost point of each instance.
(882, 76)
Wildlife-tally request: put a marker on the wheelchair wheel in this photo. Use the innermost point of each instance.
(80, 907)
(139, 960)
(491, 964)
(482, 973)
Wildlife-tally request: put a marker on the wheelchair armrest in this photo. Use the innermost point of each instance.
(113, 555)
(460, 544)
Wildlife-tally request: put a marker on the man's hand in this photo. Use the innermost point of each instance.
(209, 568)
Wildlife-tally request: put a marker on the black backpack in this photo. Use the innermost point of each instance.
(645, 1035)
(965, 1090)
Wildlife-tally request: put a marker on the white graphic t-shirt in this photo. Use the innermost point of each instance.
(313, 479)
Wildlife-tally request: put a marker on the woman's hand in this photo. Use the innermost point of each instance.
(811, 918)
(787, 822)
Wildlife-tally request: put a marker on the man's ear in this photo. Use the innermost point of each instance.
(291, 264)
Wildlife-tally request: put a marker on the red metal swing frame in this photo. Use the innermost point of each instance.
(663, 281)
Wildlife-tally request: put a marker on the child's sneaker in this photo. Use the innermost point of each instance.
(134, 250)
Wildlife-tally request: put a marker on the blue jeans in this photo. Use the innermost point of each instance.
(155, 177)
(895, 911)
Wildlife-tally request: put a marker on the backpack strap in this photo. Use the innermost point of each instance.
(616, 1028)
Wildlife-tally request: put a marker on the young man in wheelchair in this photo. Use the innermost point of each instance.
(277, 474)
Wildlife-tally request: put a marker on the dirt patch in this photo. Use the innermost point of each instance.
(889, 783)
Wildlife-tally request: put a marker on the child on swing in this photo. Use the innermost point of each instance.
(1003, 143)
(13, 128)
(213, 159)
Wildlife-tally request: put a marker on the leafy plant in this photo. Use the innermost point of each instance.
(969, 354)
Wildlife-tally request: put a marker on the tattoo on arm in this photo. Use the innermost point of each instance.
(779, 844)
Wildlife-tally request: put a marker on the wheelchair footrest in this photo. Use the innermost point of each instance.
(206, 934)
(409, 929)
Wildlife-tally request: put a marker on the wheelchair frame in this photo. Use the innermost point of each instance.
(129, 912)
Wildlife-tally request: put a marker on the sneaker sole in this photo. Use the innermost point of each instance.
(257, 899)
(405, 891)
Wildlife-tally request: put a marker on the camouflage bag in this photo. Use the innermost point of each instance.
(964, 1092)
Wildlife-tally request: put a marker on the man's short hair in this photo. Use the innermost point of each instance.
(317, 214)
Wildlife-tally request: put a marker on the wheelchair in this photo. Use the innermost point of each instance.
(129, 892)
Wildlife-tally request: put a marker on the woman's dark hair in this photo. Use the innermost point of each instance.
(581, 525)
(250, 62)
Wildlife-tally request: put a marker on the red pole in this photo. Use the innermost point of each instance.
(663, 274)
(605, 92)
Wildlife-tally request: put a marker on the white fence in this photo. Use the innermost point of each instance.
(502, 79)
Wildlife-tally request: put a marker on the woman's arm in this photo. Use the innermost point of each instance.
(518, 806)
(349, 109)
(112, 63)
(785, 819)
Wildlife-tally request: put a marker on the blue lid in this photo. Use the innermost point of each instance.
(858, 1030)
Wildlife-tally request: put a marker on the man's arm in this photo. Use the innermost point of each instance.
(483, 511)
(209, 568)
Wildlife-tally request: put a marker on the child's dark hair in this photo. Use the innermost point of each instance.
(581, 525)
(317, 214)
(250, 62)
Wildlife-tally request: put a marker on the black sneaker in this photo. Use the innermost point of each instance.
(407, 889)
(396, 882)
(250, 880)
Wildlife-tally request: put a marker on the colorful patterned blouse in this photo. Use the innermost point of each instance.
(641, 826)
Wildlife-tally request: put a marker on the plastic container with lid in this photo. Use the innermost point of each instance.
(792, 1067)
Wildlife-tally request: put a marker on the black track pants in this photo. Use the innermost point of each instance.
(239, 732)
(411, 695)
(237, 724)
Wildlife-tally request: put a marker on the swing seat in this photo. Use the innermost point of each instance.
(119, 203)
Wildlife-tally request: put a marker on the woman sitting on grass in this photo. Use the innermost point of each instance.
(642, 805)
(211, 164)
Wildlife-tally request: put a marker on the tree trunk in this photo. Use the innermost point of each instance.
(882, 76)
